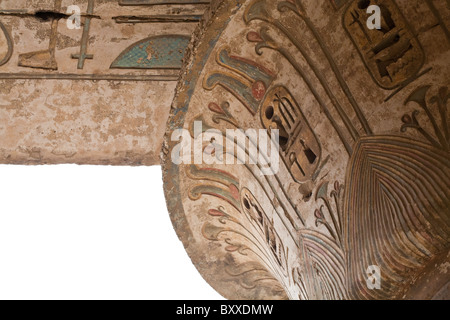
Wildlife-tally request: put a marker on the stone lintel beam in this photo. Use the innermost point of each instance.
(96, 94)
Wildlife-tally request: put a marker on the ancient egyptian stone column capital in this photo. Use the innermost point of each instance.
(357, 206)
(306, 152)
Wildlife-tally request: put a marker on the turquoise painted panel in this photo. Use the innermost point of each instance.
(160, 52)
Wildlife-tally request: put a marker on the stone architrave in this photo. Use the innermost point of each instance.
(97, 94)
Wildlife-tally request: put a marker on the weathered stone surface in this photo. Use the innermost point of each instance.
(58, 108)
(362, 114)
(364, 172)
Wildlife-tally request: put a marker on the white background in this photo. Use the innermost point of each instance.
(89, 232)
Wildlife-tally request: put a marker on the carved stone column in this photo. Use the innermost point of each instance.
(363, 184)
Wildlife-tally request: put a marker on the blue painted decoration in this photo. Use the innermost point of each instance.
(159, 52)
(257, 77)
(236, 87)
(247, 68)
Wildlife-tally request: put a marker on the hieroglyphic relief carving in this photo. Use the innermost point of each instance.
(6, 45)
(250, 88)
(55, 109)
(44, 59)
(234, 231)
(258, 11)
(166, 54)
(161, 18)
(83, 55)
(388, 205)
(299, 145)
(256, 214)
(441, 130)
(392, 54)
(243, 147)
(332, 220)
